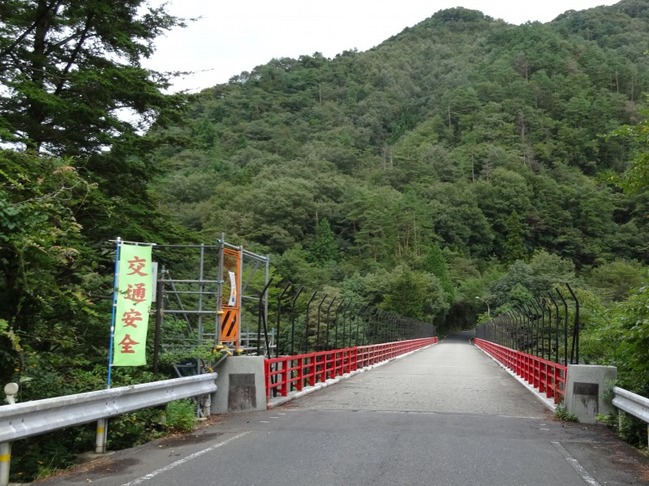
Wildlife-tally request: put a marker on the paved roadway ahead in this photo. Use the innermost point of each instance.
(446, 415)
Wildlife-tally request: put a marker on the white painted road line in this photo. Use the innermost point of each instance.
(179, 462)
(575, 465)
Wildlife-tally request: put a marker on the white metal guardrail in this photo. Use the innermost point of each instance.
(631, 403)
(40, 416)
(27, 419)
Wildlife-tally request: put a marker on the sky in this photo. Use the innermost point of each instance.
(232, 36)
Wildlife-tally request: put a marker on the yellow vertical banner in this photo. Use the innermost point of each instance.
(231, 311)
(134, 296)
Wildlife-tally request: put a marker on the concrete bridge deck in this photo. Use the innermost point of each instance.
(445, 415)
(452, 377)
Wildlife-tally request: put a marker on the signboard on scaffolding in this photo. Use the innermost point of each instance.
(231, 311)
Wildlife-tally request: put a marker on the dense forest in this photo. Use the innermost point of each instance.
(463, 157)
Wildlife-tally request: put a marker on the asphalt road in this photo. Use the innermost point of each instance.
(445, 415)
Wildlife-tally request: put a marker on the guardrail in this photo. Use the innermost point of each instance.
(292, 373)
(546, 376)
(27, 419)
(632, 403)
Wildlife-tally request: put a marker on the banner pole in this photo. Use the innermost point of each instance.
(113, 312)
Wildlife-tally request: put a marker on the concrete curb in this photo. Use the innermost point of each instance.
(549, 403)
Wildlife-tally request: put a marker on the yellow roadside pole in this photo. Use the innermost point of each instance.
(5, 448)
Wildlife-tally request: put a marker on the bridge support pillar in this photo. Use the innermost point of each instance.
(241, 385)
(589, 391)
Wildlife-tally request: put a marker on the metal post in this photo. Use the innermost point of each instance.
(263, 319)
(345, 320)
(299, 291)
(575, 337)
(327, 319)
(201, 290)
(548, 310)
(530, 321)
(5, 448)
(266, 299)
(100, 437)
(372, 321)
(540, 322)
(111, 344)
(5, 462)
(158, 323)
(522, 339)
(391, 328)
(565, 328)
(539, 303)
(518, 330)
(219, 292)
(317, 329)
(306, 322)
(520, 320)
(384, 327)
(556, 319)
(237, 345)
(358, 324)
(279, 314)
(340, 306)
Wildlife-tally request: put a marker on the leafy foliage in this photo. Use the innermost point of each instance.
(48, 275)
(180, 416)
(478, 141)
(69, 68)
(73, 174)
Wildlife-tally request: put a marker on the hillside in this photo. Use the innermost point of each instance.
(448, 152)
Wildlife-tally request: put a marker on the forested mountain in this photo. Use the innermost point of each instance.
(443, 155)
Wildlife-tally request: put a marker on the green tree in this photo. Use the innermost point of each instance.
(47, 273)
(514, 247)
(506, 191)
(415, 294)
(457, 220)
(372, 214)
(544, 272)
(617, 279)
(549, 270)
(324, 249)
(435, 263)
(636, 179)
(71, 69)
(73, 98)
(633, 352)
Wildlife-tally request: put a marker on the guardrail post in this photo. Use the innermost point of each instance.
(5, 448)
(100, 438)
(5, 462)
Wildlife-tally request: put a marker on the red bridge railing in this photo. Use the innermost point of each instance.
(293, 373)
(376, 353)
(546, 376)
